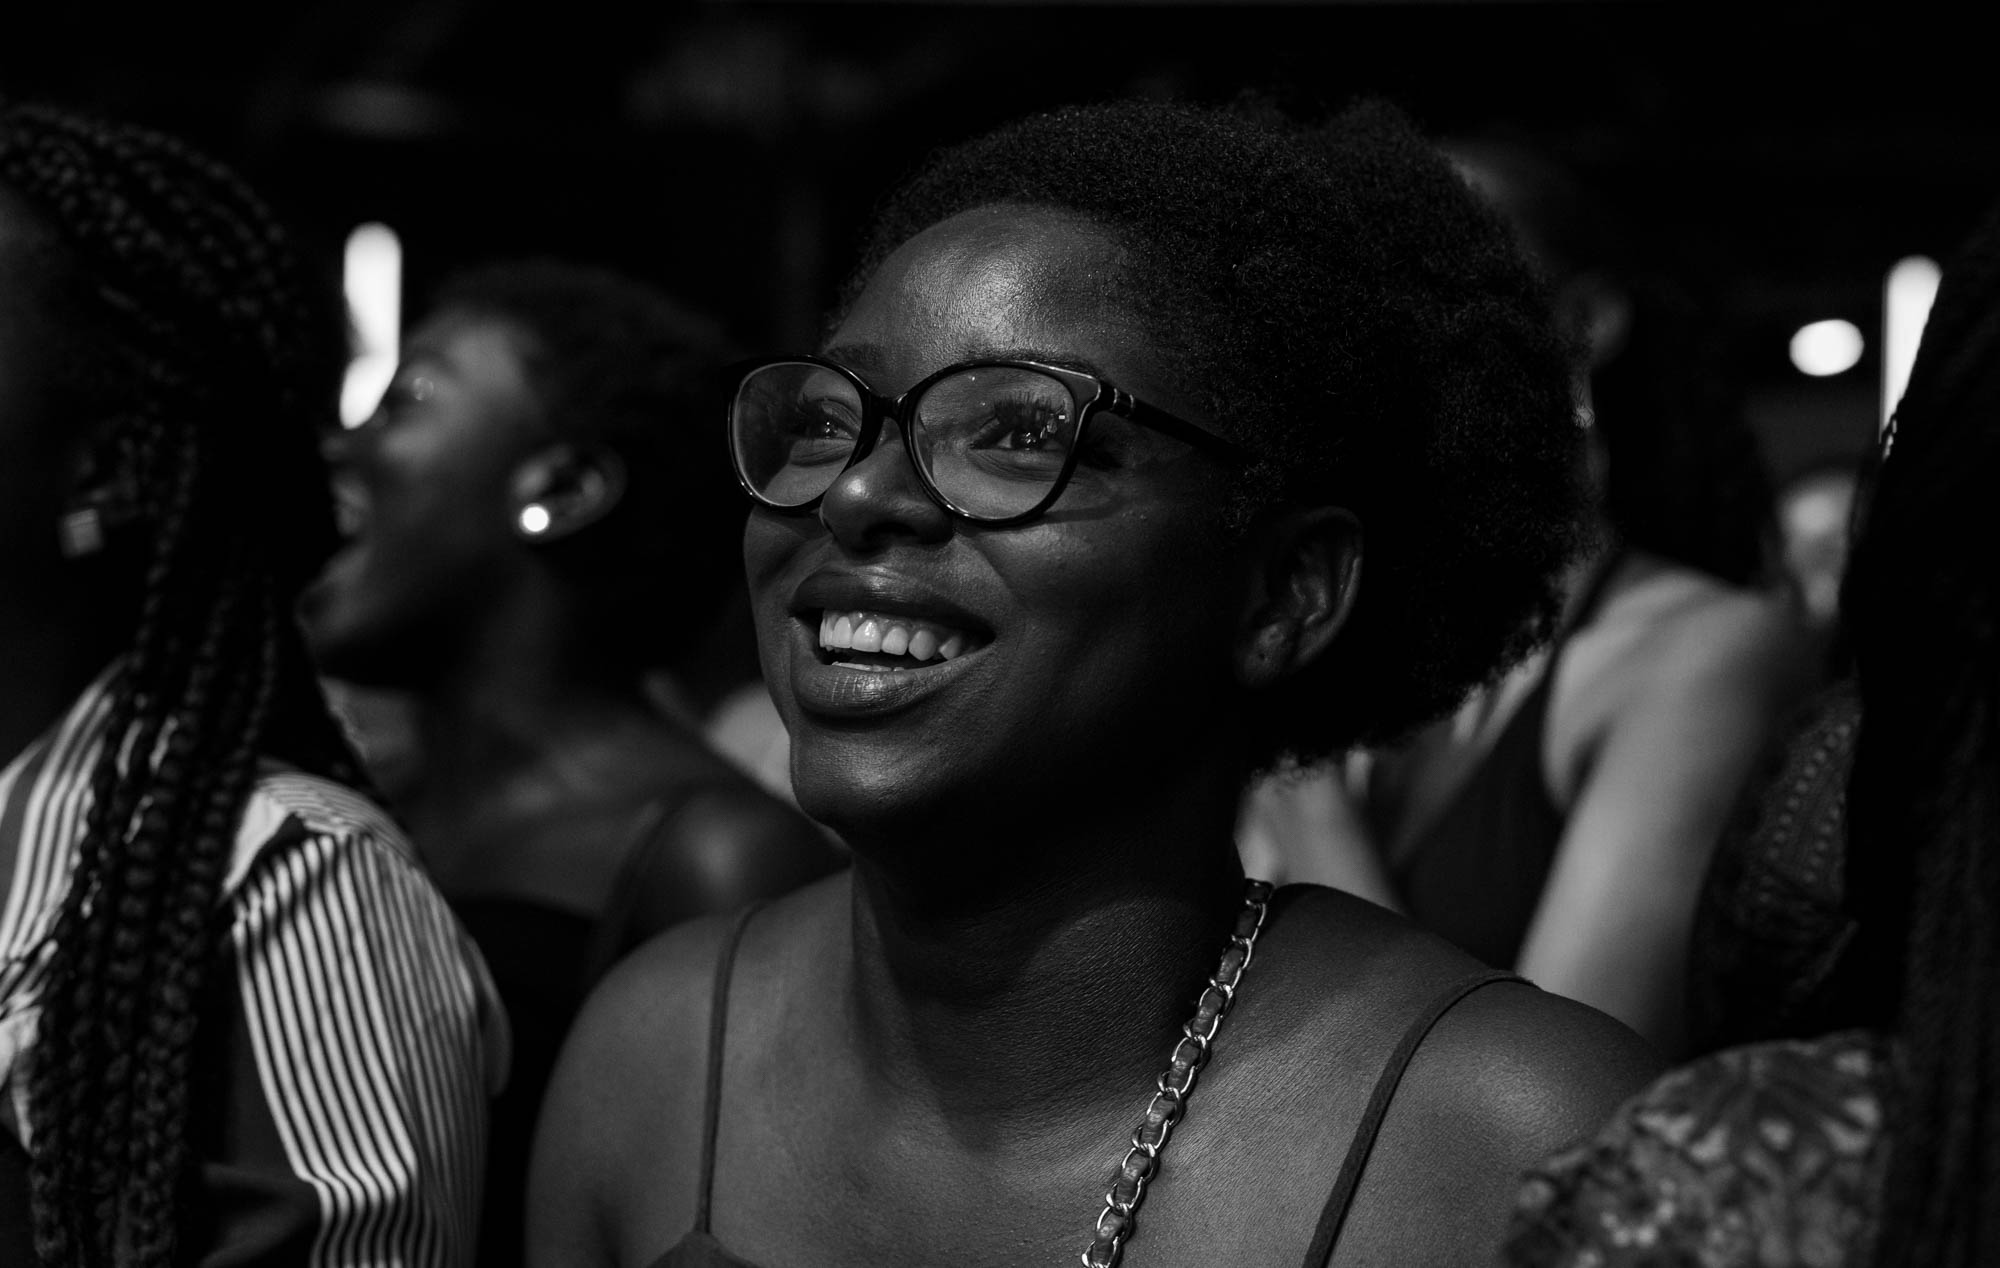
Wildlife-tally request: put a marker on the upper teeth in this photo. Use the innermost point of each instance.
(895, 635)
(350, 510)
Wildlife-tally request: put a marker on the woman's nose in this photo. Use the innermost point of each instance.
(337, 447)
(347, 446)
(881, 499)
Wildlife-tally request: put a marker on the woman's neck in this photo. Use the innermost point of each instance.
(495, 740)
(1055, 986)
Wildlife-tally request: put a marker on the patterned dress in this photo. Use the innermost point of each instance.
(1766, 1156)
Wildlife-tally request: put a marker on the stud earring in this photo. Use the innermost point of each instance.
(533, 520)
(81, 532)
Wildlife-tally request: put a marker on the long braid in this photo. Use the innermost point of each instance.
(159, 1146)
(1925, 794)
(88, 1100)
(208, 374)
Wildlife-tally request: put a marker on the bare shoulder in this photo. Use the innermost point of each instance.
(620, 1100)
(1681, 649)
(646, 1025)
(1727, 663)
(618, 1148)
(741, 836)
(1507, 1057)
(1507, 1076)
(1527, 1070)
(1500, 1073)
(728, 845)
(1708, 631)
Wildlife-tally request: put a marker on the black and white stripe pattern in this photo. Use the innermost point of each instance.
(44, 797)
(372, 1027)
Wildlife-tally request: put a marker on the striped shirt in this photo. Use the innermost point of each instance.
(360, 1034)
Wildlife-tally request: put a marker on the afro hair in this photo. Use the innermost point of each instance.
(1346, 307)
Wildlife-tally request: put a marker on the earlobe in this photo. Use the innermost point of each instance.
(563, 488)
(1308, 574)
(99, 508)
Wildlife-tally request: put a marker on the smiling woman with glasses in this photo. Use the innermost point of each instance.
(1100, 498)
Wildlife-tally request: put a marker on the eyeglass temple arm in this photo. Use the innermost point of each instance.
(1126, 405)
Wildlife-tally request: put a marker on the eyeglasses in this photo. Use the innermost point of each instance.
(991, 441)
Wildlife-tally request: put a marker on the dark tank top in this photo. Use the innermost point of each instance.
(1475, 874)
(700, 1249)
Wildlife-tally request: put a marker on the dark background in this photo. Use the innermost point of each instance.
(1779, 157)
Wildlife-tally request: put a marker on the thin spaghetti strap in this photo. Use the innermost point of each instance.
(1334, 1214)
(718, 1018)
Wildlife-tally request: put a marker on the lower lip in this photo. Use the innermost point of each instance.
(837, 691)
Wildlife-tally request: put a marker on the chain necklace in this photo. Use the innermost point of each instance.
(1169, 1103)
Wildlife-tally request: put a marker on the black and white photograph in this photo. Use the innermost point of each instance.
(902, 633)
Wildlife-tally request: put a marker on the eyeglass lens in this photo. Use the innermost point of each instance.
(792, 426)
(991, 439)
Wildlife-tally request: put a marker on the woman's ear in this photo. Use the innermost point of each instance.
(1306, 567)
(563, 487)
(103, 499)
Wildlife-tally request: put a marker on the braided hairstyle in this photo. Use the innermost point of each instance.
(1923, 603)
(200, 365)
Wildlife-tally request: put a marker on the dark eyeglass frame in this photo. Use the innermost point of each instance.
(1100, 396)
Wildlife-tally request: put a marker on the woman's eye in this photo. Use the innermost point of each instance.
(824, 420)
(1025, 429)
(395, 402)
(404, 391)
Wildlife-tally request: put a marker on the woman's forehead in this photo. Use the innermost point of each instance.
(471, 346)
(996, 282)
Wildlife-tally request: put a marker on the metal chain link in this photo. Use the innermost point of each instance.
(1169, 1104)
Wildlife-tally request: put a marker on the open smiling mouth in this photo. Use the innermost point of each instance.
(878, 643)
(350, 508)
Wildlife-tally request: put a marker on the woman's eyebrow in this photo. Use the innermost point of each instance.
(1061, 360)
(424, 356)
(865, 357)
(870, 354)
(855, 356)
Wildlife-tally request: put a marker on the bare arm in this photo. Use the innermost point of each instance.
(1661, 775)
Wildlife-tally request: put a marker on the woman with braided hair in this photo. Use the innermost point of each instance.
(1876, 1145)
(236, 1024)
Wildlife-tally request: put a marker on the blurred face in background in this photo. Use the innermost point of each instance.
(424, 495)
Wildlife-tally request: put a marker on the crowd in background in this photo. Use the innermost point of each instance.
(419, 845)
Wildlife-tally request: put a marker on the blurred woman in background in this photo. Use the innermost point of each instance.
(541, 541)
(1877, 1144)
(1561, 821)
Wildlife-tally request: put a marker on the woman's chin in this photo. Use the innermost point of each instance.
(860, 792)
